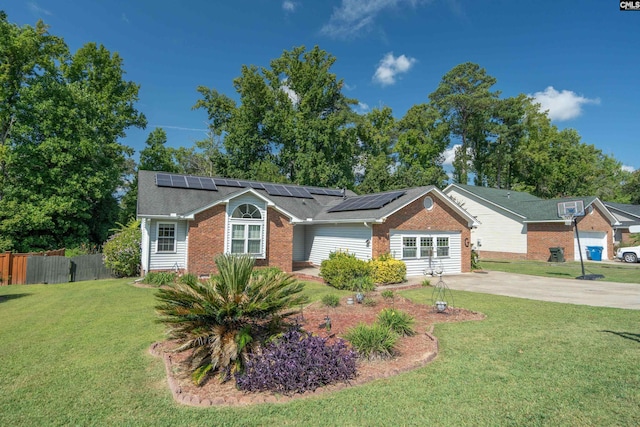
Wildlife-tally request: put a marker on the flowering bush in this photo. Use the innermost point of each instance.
(122, 250)
(386, 270)
(297, 362)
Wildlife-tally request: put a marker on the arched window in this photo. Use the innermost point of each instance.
(247, 211)
(247, 230)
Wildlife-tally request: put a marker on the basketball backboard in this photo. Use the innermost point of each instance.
(570, 209)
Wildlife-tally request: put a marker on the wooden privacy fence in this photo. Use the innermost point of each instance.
(50, 267)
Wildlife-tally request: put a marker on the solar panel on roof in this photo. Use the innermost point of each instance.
(298, 192)
(178, 181)
(373, 201)
(257, 185)
(324, 191)
(181, 181)
(227, 182)
(163, 180)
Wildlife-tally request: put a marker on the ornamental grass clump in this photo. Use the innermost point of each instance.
(372, 341)
(331, 300)
(397, 320)
(223, 319)
(159, 278)
(297, 362)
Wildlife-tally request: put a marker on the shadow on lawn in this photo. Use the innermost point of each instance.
(4, 298)
(555, 273)
(626, 335)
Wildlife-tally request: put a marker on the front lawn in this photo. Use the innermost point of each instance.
(76, 354)
(612, 272)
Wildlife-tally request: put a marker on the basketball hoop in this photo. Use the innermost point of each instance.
(569, 210)
(568, 219)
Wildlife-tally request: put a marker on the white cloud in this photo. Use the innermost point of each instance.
(33, 7)
(355, 15)
(293, 96)
(361, 108)
(124, 18)
(628, 168)
(289, 6)
(390, 66)
(450, 154)
(563, 105)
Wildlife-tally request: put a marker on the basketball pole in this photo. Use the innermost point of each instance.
(575, 224)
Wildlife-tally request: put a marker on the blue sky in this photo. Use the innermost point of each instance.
(579, 59)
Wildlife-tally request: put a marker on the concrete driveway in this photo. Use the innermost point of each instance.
(586, 292)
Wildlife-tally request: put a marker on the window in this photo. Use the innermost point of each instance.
(246, 230)
(246, 239)
(426, 247)
(247, 211)
(443, 246)
(421, 247)
(409, 249)
(166, 237)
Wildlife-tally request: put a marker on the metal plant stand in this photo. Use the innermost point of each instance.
(441, 296)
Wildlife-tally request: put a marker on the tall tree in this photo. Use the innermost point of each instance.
(292, 122)
(465, 100)
(377, 135)
(62, 162)
(422, 139)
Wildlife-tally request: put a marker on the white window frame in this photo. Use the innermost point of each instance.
(175, 237)
(437, 251)
(245, 223)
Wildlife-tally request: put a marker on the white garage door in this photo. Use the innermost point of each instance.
(408, 246)
(590, 238)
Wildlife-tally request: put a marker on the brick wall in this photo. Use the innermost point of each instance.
(542, 236)
(206, 240)
(415, 217)
(279, 241)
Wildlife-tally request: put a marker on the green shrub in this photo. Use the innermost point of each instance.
(369, 302)
(386, 270)
(388, 294)
(475, 262)
(221, 320)
(361, 284)
(122, 250)
(331, 300)
(397, 320)
(344, 271)
(83, 249)
(188, 279)
(426, 282)
(159, 278)
(265, 270)
(372, 341)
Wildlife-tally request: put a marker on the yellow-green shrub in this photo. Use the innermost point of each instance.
(385, 270)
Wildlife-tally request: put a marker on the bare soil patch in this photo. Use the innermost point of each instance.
(411, 352)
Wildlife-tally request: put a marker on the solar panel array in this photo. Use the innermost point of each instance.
(373, 201)
(181, 181)
(203, 183)
(324, 191)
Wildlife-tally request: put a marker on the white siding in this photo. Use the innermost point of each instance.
(499, 231)
(299, 253)
(320, 240)
(416, 267)
(145, 249)
(168, 261)
(590, 238)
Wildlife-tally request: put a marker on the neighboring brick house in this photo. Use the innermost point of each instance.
(517, 225)
(188, 220)
(627, 215)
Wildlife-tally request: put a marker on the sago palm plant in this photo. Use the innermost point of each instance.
(221, 319)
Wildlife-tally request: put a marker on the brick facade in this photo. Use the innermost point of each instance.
(206, 240)
(542, 236)
(415, 217)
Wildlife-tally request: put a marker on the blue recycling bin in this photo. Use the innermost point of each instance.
(595, 252)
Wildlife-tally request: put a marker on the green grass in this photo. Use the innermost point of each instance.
(618, 272)
(76, 354)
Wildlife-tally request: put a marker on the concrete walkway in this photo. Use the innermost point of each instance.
(584, 292)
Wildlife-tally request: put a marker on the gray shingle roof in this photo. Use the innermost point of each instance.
(626, 210)
(527, 206)
(165, 201)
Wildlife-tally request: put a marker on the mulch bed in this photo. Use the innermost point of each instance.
(411, 352)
